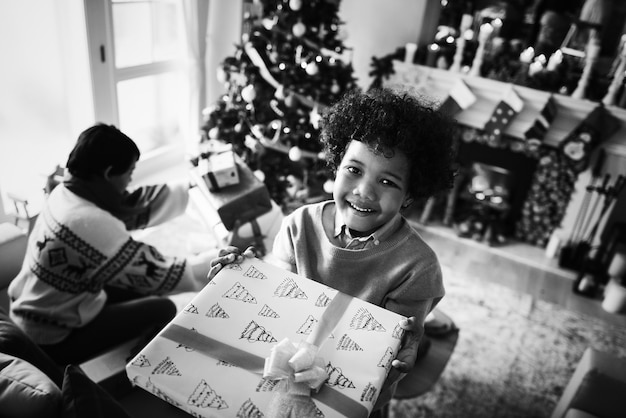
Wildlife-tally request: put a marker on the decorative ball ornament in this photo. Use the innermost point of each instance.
(295, 154)
(299, 29)
(295, 4)
(290, 100)
(280, 92)
(248, 93)
(221, 75)
(269, 23)
(334, 89)
(259, 175)
(312, 68)
(329, 185)
(214, 132)
(238, 127)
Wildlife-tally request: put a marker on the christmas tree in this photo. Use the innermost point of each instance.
(290, 65)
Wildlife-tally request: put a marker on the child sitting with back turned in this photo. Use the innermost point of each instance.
(387, 149)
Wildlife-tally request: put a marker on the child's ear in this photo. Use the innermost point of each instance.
(408, 201)
(107, 172)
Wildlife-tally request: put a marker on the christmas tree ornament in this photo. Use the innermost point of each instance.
(295, 4)
(295, 154)
(238, 127)
(214, 133)
(253, 145)
(260, 175)
(335, 88)
(280, 92)
(311, 68)
(314, 117)
(269, 23)
(290, 100)
(248, 93)
(298, 29)
(221, 75)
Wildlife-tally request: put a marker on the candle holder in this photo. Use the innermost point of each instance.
(466, 23)
(618, 77)
(592, 52)
(485, 32)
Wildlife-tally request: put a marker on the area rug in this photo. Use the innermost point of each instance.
(514, 355)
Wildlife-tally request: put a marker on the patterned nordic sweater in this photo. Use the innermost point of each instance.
(75, 249)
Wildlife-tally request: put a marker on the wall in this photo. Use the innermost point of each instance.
(378, 27)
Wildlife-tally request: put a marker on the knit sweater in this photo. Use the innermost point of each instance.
(401, 274)
(75, 249)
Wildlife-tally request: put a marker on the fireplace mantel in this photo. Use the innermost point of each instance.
(437, 83)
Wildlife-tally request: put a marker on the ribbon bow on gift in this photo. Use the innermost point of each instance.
(300, 370)
(300, 365)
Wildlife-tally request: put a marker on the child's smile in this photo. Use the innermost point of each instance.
(370, 188)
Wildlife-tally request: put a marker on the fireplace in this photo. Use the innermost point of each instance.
(492, 187)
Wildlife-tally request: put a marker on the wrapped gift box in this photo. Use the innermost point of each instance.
(209, 360)
(259, 232)
(242, 202)
(218, 170)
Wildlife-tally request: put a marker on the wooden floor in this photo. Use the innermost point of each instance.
(522, 267)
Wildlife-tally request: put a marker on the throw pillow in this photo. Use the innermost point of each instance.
(83, 398)
(25, 391)
(15, 342)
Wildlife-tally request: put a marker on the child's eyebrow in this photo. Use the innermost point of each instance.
(398, 177)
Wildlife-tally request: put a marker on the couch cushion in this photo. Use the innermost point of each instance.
(14, 342)
(25, 391)
(13, 243)
(601, 395)
(83, 398)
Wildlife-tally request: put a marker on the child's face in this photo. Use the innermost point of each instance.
(370, 188)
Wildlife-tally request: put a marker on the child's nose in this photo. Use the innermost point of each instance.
(365, 189)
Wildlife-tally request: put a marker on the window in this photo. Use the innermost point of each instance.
(140, 70)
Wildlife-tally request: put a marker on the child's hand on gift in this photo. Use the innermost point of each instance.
(227, 256)
(405, 360)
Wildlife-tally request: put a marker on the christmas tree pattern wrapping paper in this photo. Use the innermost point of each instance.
(209, 360)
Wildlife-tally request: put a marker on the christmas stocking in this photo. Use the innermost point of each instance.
(510, 105)
(459, 98)
(537, 132)
(579, 144)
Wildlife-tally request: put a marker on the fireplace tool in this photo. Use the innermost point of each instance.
(574, 249)
(592, 272)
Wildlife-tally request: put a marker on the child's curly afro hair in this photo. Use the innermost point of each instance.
(387, 120)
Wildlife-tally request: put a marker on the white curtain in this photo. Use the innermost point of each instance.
(196, 14)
